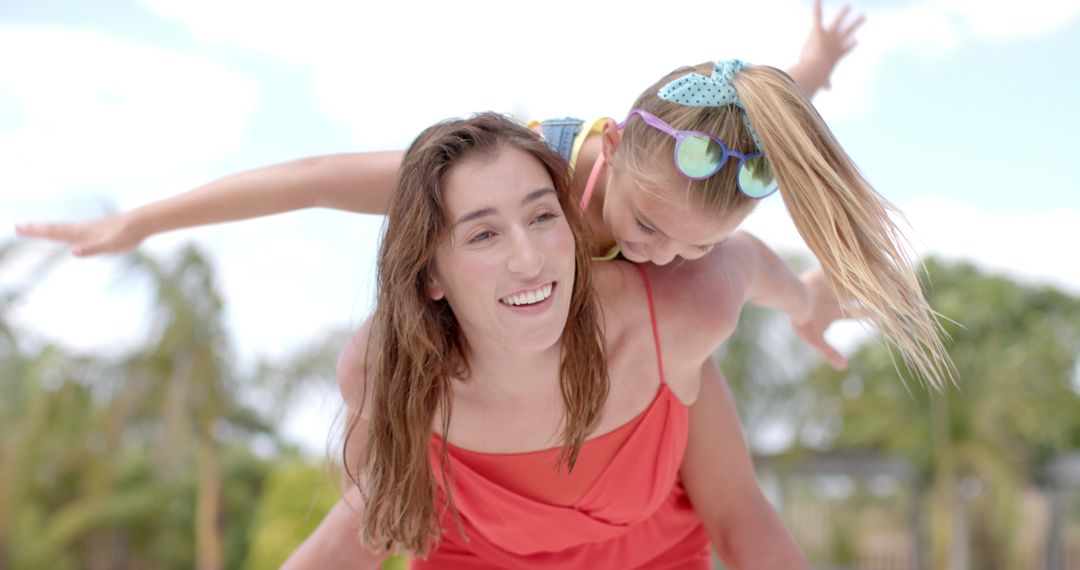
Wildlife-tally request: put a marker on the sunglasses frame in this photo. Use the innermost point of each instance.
(680, 136)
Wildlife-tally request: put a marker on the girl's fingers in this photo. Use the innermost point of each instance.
(839, 19)
(59, 232)
(854, 25)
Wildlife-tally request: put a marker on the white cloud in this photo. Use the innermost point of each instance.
(388, 70)
(86, 306)
(932, 30)
(99, 112)
(1023, 245)
(289, 278)
(1009, 20)
(1030, 246)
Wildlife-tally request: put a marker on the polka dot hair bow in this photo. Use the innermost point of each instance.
(696, 90)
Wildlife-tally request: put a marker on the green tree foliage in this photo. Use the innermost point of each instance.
(976, 444)
(144, 460)
(296, 497)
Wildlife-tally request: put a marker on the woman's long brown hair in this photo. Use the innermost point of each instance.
(417, 349)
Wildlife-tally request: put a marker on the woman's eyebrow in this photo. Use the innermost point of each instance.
(474, 215)
(531, 197)
(537, 194)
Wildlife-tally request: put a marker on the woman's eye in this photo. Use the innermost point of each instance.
(482, 236)
(643, 227)
(545, 217)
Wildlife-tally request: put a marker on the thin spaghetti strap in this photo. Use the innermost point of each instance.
(593, 176)
(652, 318)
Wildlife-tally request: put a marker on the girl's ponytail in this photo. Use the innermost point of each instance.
(844, 221)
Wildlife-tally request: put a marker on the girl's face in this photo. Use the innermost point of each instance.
(507, 270)
(654, 220)
(657, 222)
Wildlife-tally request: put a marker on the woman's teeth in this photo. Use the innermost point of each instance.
(529, 297)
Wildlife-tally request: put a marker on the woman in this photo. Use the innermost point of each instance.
(516, 405)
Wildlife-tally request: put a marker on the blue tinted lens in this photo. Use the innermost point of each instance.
(756, 178)
(699, 156)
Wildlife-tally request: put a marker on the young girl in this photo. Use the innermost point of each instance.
(517, 405)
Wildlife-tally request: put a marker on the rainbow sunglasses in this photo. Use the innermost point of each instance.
(699, 155)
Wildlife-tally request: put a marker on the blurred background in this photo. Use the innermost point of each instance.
(176, 407)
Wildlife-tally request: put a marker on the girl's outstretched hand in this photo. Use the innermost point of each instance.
(110, 234)
(824, 309)
(825, 46)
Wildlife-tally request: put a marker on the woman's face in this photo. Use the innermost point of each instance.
(656, 222)
(507, 269)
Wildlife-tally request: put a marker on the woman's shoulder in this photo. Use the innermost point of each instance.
(353, 367)
(621, 294)
(646, 309)
(616, 279)
(696, 303)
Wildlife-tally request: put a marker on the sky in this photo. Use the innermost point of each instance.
(963, 113)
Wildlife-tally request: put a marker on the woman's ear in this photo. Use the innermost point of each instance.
(435, 290)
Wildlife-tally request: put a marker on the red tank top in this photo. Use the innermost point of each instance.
(623, 506)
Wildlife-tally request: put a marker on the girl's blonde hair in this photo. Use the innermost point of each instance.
(417, 349)
(841, 218)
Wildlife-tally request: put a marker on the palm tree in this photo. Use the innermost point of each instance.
(96, 455)
(14, 365)
(186, 373)
(189, 376)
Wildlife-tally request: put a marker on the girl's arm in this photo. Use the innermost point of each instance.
(808, 299)
(702, 298)
(719, 478)
(823, 49)
(358, 182)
